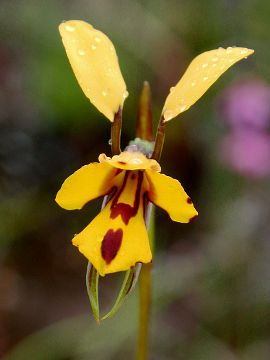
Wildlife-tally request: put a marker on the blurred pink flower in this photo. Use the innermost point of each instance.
(247, 104)
(247, 152)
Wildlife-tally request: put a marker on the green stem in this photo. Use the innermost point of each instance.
(145, 288)
(144, 131)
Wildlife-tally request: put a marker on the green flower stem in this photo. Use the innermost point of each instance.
(116, 133)
(145, 288)
(144, 132)
(159, 141)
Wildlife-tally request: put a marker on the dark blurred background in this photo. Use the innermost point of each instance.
(211, 278)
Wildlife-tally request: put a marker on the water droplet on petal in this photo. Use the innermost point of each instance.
(125, 95)
(104, 93)
(70, 28)
(244, 51)
(214, 58)
(193, 83)
(81, 52)
(136, 161)
(214, 65)
(172, 89)
(93, 47)
(229, 50)
(205, 78)
(97, 39)
(183, 108)
(204, 65)
(168, 114)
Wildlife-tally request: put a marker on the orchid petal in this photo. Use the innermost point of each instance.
(168, 194)
(202, 72)
(95, 64)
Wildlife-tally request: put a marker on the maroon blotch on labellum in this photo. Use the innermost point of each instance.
(111, 244)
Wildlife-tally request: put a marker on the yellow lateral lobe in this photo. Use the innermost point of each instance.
(202, 72)
(95, 64)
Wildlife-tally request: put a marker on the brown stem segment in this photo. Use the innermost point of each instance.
(159, 141)
(144, 124)
(116, 132)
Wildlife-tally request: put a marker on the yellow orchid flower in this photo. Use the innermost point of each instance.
(117, 238)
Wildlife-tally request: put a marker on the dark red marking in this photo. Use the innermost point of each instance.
(111, 244)
(193, 218)
(133, 176)
(118, 171)
(189, 201)
(127, 211)
(122, 163)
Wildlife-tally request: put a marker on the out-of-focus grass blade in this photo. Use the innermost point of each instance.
(128, 284)
(92, 278)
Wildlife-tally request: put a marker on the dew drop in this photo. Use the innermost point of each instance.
(172, 89)
(125, 95)
(243, 51)
(193, 83)
(183, 108)
(214, 65)
(70, 28)
(136, 161)
(93, 47)
(214, 58)
(229, 50)
(104, 93)
(168, 114)
(81, 52)
(205, 78)
(204, 65)
(97, 39)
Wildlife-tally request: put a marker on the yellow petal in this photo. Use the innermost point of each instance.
(203, 71)
(168, 194)
(95, 64)
(87, 183)
(112, 244)
(130, 161)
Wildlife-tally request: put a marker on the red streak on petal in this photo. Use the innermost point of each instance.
(124, 210)
(127, 211)
(189, 201)
(111, 244)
